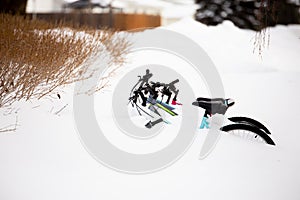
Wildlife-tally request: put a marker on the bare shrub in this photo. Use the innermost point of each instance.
(267, 12)
(37, 57)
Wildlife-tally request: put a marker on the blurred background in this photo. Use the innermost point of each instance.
(131, 14)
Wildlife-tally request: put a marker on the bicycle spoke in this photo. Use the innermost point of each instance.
(247, 135)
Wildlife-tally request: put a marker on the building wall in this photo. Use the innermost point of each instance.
(118, 21)
(169, 11)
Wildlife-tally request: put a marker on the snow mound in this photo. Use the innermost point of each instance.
(232, 49)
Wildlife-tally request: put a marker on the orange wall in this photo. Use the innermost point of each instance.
(119, 21)
(135, 21)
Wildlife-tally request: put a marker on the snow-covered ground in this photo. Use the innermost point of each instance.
(44, 158)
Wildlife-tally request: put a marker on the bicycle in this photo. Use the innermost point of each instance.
(148, 91)
(239, 125)
(153, 89)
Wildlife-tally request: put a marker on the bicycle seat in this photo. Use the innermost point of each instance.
(214, 105)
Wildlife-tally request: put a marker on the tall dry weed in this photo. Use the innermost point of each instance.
(37, 57)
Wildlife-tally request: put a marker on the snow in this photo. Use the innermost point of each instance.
(44, 158)
(231, 48)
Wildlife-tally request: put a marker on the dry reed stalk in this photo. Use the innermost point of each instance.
(262, 37)
(37, 57)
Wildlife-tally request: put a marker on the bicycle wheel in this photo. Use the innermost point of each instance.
(248, 132)
(247, 120)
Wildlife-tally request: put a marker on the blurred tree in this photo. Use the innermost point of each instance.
(13, 6)
(249, 14)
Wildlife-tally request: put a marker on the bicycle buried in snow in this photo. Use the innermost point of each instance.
(242, 126)
(148, 99)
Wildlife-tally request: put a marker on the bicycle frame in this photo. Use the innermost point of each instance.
(204, 123)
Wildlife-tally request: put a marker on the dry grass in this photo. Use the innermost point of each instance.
(267, 9)
(37, 57)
